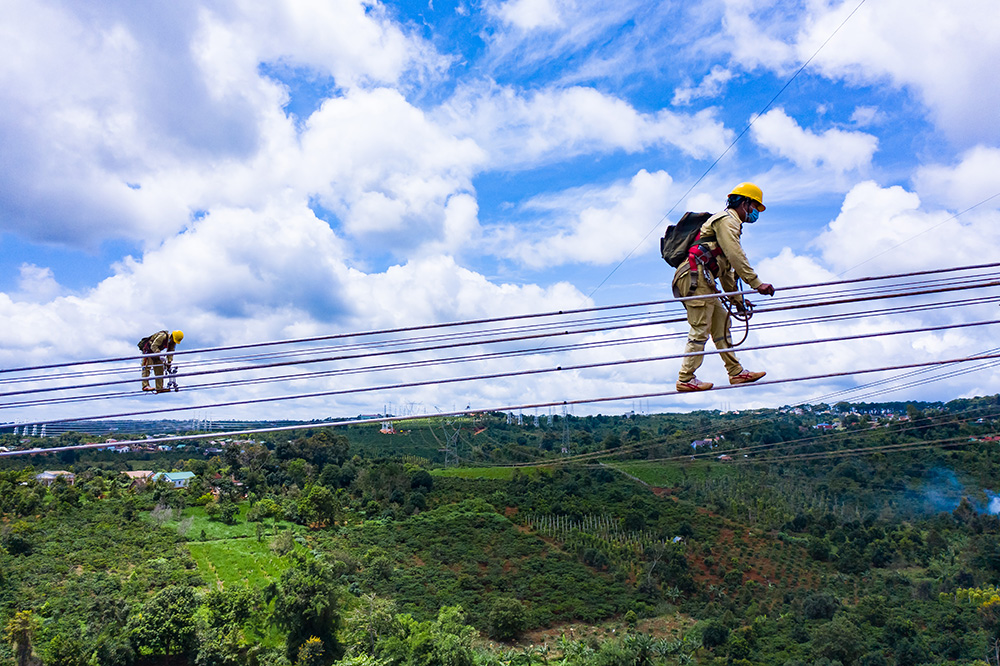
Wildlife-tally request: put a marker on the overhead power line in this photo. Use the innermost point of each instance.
(486, 356)
(514, 373)
(809, 287)
(606, 327)
(643, 321)
(506, 408)
(830, 298)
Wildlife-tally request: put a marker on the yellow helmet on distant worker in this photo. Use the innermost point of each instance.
(750, 190)
(177, 336)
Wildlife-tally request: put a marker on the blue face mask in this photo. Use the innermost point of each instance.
(752, 216)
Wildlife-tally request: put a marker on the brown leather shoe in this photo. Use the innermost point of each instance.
(746, 377)
(694, 385)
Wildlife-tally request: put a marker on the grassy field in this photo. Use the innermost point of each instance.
(228, 562)
(230, 554)
(194, 521)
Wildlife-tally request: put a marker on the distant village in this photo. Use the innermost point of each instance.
(137, 477)
(877, 417)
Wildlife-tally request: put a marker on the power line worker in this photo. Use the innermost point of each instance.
(718, 254)
(154, 344)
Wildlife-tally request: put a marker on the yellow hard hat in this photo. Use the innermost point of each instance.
(750, 190)
(177, 336)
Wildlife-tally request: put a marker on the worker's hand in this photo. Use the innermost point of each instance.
(766, 289)
(740, 306)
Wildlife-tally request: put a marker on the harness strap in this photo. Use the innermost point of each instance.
(699, 254)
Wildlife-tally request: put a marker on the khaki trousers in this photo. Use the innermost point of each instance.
(707, 318)
(156, 363)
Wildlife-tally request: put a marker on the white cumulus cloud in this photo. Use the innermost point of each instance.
(944, 53)
(383, 165)
(887, 230)
(597, 226)
(519, 130)
(835, 149)
(973, 180)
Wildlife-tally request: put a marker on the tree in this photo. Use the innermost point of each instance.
(19, 633)
(380, 481)
(819, 606)
(228, 510)
(299, 471)
(839, 640)
(232, 606)
(819, 549)
(506, 619)
(165, 624)
(612, 441)
(223, 509)
(17, 538)
(714, 635)
(305, 605)
(444, 642)
(421, 479)
(266, 508)
(372, 619)
(318, 506)
(318, 449)
(872, 609)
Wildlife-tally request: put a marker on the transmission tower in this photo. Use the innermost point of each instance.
(451, 448)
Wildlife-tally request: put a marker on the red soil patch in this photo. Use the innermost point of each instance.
(667, 493)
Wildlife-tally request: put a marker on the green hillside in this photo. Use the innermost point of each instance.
(851, 534)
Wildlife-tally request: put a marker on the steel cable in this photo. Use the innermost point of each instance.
(472, 322)
(476, 357)
(522, 338)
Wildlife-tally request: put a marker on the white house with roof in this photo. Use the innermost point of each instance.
(178, 479)
(48, 477)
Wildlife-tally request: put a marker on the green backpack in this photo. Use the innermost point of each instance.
(679, 238)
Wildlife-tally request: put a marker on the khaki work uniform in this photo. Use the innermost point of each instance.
(160, 341)
(709, 317)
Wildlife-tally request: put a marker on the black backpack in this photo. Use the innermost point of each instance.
(679, 238)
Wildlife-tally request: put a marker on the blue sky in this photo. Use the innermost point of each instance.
(253, 173)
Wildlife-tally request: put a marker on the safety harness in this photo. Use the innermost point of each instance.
(701, 255)
(703, 258)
